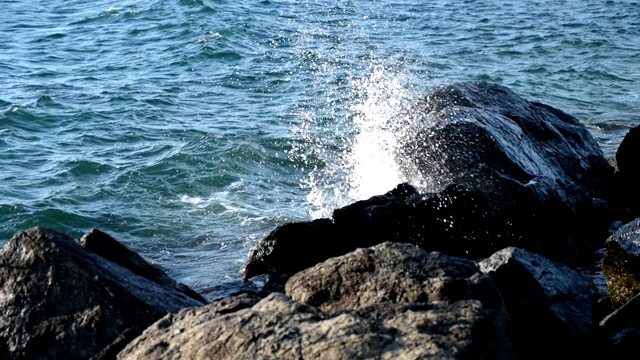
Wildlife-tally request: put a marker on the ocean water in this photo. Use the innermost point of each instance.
(189, 129)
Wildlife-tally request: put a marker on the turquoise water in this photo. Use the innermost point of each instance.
(190, 129)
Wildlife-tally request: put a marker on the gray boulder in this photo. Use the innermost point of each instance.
(62, 301)
(391, 273)
(395, 301)
(185, 335)
(548, 303)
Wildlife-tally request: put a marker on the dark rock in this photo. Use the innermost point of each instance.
(628, 171)
(61, 301)
(112, 350)
(103, 244)
(401, 215)
(623, 317)
(623, 329)
(295, 246)
(456, 221)
(539, 168)
(494, 170)
(628, 150)
(625, 343)
(621, 263)
(396, 301)
(548, 303)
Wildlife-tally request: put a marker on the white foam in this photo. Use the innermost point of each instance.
(193, 200)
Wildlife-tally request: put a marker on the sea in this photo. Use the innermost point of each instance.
(190, 129)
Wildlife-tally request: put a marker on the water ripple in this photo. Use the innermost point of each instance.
(173, 124)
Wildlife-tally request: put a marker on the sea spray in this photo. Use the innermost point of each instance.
(373, 168)
(362, 163)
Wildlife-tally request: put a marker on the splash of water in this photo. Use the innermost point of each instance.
(361, 161)
(347, 130)
(372, 165)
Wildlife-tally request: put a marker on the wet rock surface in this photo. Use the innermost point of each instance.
(61, 301)
(542, 173)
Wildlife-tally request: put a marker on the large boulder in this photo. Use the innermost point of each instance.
(102, 244)
(62, 301)
(490, 169)
(391, 273)
(184, 335)
(548, 303)
(540, 170)
(295, 246)
(386, 302)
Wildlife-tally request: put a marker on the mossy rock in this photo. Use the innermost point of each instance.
(621, 263)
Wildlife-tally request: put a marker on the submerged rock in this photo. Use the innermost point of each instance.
(494, 170)
(386, 302)
(62, 301)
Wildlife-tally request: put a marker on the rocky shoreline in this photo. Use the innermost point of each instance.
(494, 259)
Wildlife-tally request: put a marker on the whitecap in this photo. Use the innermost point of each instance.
(194, 200)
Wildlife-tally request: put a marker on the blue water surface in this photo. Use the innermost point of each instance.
(190, 129)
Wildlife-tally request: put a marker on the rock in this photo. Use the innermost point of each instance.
(180, 336)
(401, 215)
(540, 170)
(391, 272)
(103, 244)
(62, 301)
(623, 344)
(623, 328)
(548, 303)
(456, 221)
(625, 316)
(491, 170)
(621, 263)
(293, 247)
(396, 301)
(628, 170)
